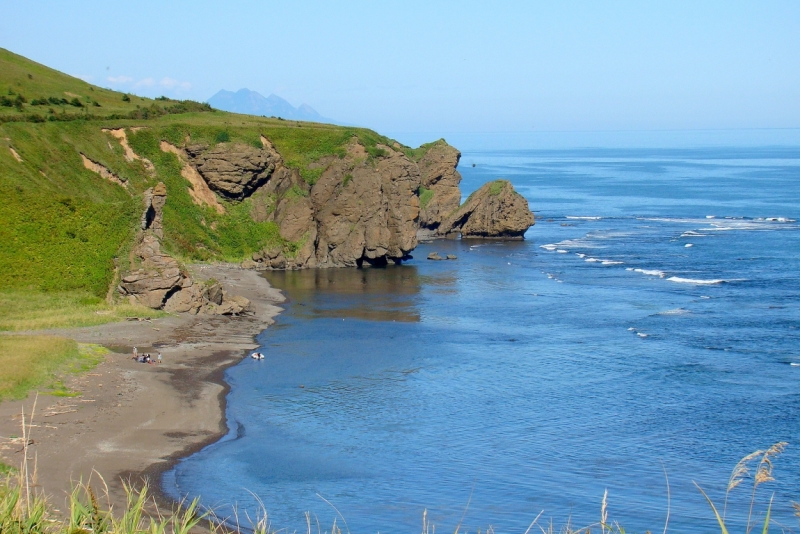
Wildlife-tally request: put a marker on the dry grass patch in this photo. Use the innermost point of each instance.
(31, 362)
(37, 310)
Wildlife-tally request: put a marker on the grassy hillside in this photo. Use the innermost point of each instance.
(64, 228)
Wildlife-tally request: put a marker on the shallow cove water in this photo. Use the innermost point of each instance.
(648, 323)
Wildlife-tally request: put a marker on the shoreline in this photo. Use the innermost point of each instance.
(133, 422)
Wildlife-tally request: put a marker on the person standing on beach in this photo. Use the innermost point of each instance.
(159, 357)
(135, 353)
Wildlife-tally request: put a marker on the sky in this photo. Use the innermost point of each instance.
(428, 66)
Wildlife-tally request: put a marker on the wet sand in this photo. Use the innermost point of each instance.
(133, 420)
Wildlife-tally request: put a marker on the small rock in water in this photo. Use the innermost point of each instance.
(452, 257)
(434, 256)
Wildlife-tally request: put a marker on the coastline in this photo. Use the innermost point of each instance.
(133, 421)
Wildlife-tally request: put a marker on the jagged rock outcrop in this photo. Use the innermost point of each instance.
(153, 214)
(234, 170)
(495, 211)
(439, 179)
(362, 210)
(156, 279)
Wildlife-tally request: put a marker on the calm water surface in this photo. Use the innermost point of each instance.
(648, 323)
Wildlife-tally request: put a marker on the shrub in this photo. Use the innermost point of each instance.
(425, 196)
(162, 98)
(375, 152)
(222, 137)
(6, 102)
(126, 98)
(497, 187)
(75, 102)
(347, 179)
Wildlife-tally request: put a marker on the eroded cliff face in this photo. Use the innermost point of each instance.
(365, 208)
(361, 211)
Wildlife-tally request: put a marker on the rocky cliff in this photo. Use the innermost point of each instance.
(365, 207)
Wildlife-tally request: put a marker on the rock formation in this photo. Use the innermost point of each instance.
(234, 170)
(439, 192)
(156, 279)
(495, 211)
(362, 210)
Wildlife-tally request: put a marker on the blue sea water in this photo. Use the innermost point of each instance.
(645, 330)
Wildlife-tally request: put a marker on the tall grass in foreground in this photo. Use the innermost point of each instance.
(25, 510)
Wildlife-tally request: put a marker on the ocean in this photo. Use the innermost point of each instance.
(642, 339)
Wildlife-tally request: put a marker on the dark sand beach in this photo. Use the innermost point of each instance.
(132, 420)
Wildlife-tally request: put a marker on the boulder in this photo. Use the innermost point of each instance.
(214, 293)
(434, 256)
(493, 211)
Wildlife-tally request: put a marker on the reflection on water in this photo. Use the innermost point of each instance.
(374, 294)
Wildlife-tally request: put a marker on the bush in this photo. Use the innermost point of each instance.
(126, 98)
(425, 196)
(223, 137)
(6, 102)
(75, 102)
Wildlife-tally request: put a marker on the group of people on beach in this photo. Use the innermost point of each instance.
(144, 358)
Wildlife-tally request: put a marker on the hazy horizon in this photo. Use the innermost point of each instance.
(448, 67)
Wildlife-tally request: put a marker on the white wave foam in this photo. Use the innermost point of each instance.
(676, 311)
(692, 233)
(687, 245)
(696, 281)
(549, 247)
(562, 251)
(777, 219)
(648, 272)
(711, 217)
(591, 260)
(795, 364)
(580, 255)
(583, 218)
(640, 334)
(611, 262)
(631, 329)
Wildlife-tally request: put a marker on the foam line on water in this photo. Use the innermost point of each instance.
(648, 272)
(696, 281)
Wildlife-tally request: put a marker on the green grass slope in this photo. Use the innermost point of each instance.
(64, 228)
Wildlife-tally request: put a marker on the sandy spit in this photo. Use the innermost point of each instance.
(134, 420)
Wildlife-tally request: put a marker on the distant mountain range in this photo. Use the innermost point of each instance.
(253, 103)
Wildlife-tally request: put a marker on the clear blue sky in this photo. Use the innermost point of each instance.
(443, 66)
